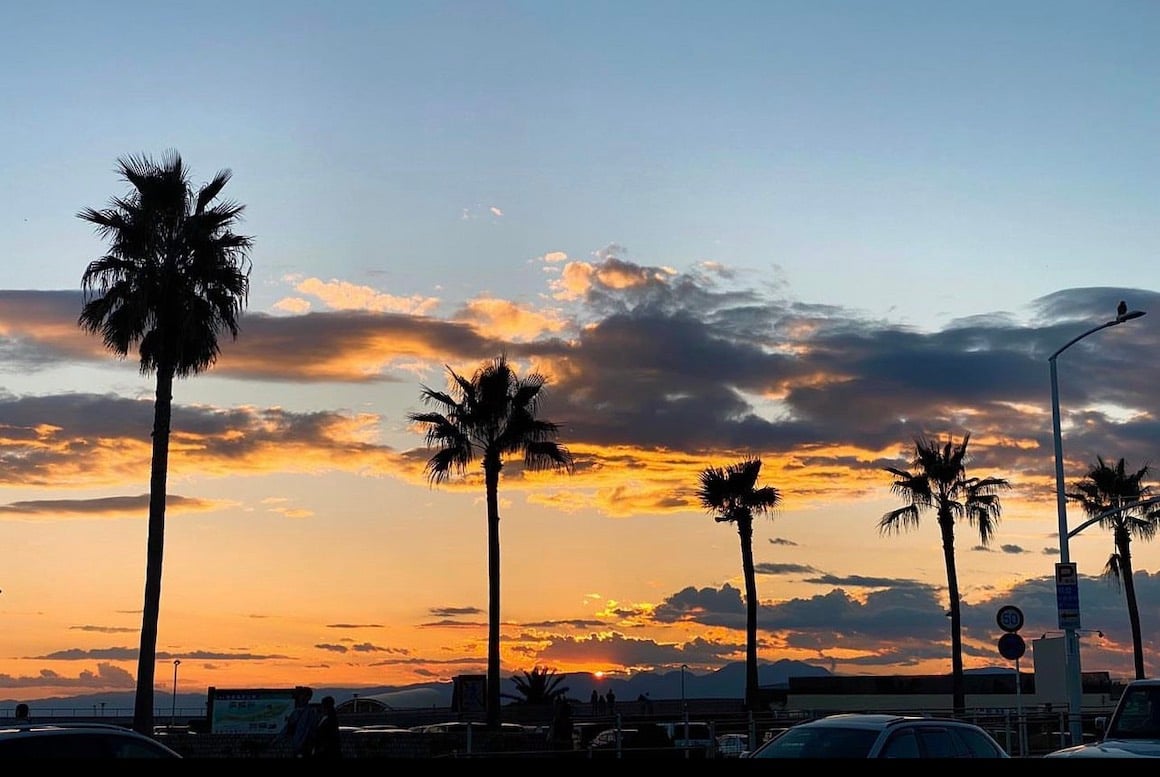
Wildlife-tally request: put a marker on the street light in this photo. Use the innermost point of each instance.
(173, 709)
(1071, 643)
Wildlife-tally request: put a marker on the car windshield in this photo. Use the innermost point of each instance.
(819, 742)
(1139, 716)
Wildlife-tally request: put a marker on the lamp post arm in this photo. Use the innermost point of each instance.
(1075, 340)
(1113, 511)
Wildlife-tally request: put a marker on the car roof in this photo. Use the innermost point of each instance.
(64, 726)
(862, 719)
(20, 736)
(879, 720)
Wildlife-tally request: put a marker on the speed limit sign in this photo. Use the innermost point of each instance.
(1010, 618)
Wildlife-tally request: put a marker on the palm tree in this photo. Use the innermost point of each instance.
(732, 494)
(539, 686)
(174, 277)
(1113, 494)
(491, 416)
(938, 480)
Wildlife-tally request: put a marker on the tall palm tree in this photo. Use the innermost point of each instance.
(540, 686)
(938, 479)
(174, 277)
(733, 495)
(491, 416)
(1103, 492)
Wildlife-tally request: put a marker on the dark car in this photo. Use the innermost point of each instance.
(867, 735)
(78, 741)
(640, 739)
(1133, 731)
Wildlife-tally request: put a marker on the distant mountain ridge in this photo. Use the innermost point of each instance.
(724, 683)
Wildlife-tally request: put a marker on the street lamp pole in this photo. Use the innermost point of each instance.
(684, 704)
(173, 709)
(1074, 680)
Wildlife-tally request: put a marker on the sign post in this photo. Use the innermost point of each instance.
(1012, 647)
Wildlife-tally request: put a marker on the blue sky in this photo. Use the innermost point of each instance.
(806, 231)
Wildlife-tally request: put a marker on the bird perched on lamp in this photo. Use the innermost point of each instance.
(1121, 309)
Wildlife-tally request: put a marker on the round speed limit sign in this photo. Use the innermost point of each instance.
(1010, 618)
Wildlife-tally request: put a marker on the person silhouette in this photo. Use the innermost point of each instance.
(327, 741)
(302, 724)
(21, 713)
(611, 702)
(560, 732)
(595, 702)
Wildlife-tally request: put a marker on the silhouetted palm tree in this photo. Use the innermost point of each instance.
(493, 415)
(1103, 490)
(732, 494)
(539, 686)
(938, 480)
(174, 277)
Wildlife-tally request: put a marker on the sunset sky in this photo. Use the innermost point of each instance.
(804, 231)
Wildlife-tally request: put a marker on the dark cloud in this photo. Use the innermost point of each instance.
(617, 651)
(108, 677)
(130, 654)
(86, 434)
(450, 612)
(705, 605)
(569, 623)
(677, 361)
(362, 647)
(768, 568)
(109, 505)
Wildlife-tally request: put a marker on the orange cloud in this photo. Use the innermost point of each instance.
(506, 320)
(341, 295)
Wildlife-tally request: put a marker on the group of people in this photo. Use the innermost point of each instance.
(312, 729)
(603, 704)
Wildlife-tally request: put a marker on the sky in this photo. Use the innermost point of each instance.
(809, 232)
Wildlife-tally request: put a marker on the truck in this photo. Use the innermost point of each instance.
(1131, 731)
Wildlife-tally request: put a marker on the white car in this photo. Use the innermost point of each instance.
(732, 745)
(872, 735)
(1132, 731)
(692, 736)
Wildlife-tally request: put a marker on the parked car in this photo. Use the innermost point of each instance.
(694, 736)
(379, 730)
(1132, 730)
(642, 739)
(165, 730)
(873, 735)
(77, 741)
(732, 745)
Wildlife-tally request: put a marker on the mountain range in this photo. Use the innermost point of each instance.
(724, 683)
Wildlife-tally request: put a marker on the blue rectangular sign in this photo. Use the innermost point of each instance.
(1067, 595)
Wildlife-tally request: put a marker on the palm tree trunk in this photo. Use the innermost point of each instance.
(745, 530)
(491, 476)
(155, 550)
(958, 686)
(1123, 548)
